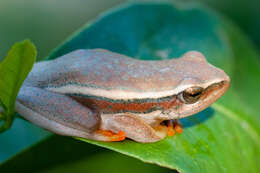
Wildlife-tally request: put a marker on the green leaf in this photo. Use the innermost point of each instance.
(114, 163)
(13, 70)
(224, 137)
(37, 158)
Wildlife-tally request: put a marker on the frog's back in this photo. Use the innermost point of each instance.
(98, 70)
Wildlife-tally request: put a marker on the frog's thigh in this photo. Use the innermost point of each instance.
(133, 127)
(56, 112)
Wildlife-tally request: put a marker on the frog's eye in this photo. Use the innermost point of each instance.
(190, 95)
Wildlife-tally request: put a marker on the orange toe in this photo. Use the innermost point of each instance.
(171, 132)
(120, 136)
(177, 127)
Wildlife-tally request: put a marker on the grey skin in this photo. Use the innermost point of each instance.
(47, 97)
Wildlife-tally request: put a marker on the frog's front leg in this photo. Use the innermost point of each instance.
(173, 127)
(57, 113)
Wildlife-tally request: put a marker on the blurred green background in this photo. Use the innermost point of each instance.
(48, 23)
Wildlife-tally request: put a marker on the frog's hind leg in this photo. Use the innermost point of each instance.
(56, 112)
(133, 127)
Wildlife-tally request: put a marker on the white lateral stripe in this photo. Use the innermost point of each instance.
(121, 94)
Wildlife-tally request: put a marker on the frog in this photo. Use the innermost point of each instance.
(102, 95)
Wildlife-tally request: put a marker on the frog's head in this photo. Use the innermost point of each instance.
(202, 85)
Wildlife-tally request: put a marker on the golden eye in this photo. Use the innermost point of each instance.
(191, 95)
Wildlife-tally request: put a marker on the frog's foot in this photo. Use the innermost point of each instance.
(173, 127)
(111, 136)
(177, 126)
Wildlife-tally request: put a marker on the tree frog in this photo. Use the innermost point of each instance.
(101, 95)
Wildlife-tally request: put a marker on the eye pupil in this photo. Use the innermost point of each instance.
(191, 95)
